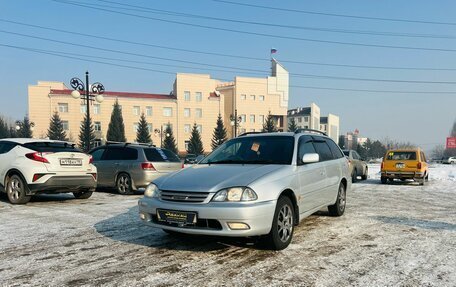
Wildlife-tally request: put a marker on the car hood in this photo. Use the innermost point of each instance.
(212, 178)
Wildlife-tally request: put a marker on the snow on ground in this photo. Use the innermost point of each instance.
(399, 234)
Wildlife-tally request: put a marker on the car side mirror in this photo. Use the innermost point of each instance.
(310, 158)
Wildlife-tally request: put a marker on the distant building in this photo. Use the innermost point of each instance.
(352, 140)
(309, 118)
(195, 98)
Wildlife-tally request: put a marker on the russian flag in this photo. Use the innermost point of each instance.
(273, 50)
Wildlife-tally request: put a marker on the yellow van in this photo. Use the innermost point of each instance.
(404, 164)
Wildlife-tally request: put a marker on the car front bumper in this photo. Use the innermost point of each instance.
(64, 184)
(258, 216)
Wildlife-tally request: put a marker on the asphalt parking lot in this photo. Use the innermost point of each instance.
(400, 234)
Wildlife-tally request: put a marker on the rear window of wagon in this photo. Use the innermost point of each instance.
(401, 155)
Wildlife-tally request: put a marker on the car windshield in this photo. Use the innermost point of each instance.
(52, 147)
(401, 155)
(160, 155)
(254, 150)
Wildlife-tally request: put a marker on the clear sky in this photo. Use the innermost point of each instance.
(424, 118)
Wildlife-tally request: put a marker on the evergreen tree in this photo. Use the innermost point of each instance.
(195, 145)
(4, 129)
(56, 131)
(142, 134)
(25, 128)
(269, 125)
(219, 135)
(170, 142)
(86, 132)
(292, 127)
(116, 128)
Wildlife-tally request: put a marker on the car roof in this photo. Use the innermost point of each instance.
(281, 134)
(28, 140)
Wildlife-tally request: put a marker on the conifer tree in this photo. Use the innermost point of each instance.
(25, 128)
(169, 142)
(86, 132)
(219, 135)
(116, 128)
(195, 145)
(56, 131)
(269, 125)
(143, 134)
(4, 129)
(292, 127)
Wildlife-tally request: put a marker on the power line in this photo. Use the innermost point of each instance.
(257, 33)
(220, 19)
(228, 67)
(224, 55)
(336, 15)
(71, 56)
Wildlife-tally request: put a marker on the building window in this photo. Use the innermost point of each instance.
(97, 126)
(261, 118)
(198, 113)
(198, 96)
(300, 120)
(165, 126)
(252, 97)
(148, 111)
(306, 119)
(252, 118)
(96, 109)
(242, 118)
(187, 129)
(252, 130)
(187, 143)
(63, 107)
(65, 125)
(136, 110)
(261, 98)
(149, 128)
(187, 95)
(243, 97)
(83, 109)
(135, 127)
(186, 112)
(199, 128)
(167, 112)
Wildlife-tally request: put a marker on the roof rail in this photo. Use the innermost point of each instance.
(310, 131)
(129, 143)
(250, 133)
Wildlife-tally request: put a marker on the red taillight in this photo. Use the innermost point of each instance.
(37, 176)
(382, 165)
(37, 156)
(147, 166)
(418, 165)
(91, 159)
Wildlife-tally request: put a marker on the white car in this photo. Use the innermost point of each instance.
(450, 160)
(31, 166)
(254, 185)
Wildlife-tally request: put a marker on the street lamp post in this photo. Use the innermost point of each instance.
(235, 121)
(92, 93)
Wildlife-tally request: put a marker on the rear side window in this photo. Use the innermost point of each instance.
(337, 153)
(96, 154)
(120, 153)
(160, 155)
(51, 147)
(323, 150)
(6, 147)
(401, 155)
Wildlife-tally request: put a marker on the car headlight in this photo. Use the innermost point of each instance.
(152, 191)
(235, 194)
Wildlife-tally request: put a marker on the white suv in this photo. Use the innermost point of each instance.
(31, 166)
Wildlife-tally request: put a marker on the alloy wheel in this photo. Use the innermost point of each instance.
(15, 188)
(285, 223)
(341, 198)
(123, 184)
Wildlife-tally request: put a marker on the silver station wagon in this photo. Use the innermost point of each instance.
(259, 184)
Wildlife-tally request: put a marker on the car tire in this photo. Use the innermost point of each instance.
(354, 175)
(123, 184)
(83, 194)
(16, 189)
(384, 180)
(366, 172)
(282, 225)
(427, 177)
(422, 181)
(338, 208)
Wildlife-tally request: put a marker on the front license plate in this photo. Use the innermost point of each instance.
(71, 161)
(400, 165)
(179, 217)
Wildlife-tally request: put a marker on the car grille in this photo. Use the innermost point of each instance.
(182, 196)
(210, 224)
